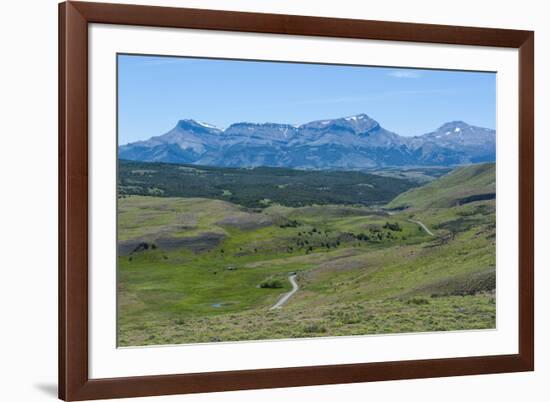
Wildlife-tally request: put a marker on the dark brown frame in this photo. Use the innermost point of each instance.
(74, 383)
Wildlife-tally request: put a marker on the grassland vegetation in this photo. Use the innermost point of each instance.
(420, 175)
(206, 268)
(451, 190)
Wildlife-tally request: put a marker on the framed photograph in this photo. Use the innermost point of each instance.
(260, 200)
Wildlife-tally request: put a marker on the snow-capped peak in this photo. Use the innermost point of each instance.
(207, 125)
(355, 118)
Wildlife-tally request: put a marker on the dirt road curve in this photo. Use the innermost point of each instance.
(422, 226)
(286, 296)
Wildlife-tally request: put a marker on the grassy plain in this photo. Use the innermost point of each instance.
(190, 269)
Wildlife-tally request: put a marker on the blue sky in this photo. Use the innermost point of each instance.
(155, 92)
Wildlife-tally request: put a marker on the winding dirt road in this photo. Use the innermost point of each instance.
(292, 278)
(422, 226)
(286, 296)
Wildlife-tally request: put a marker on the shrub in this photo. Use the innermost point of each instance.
(362, 236)
(143, 246)
(396, 227)
(314, 328)
(271, 284)
(290, 224)
(418, 301)
(348, 318)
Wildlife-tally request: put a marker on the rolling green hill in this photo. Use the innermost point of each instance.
(461, 186)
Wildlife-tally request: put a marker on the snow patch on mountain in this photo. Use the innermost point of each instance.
(207, 125)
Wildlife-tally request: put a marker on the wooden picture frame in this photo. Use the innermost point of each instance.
(74, 381)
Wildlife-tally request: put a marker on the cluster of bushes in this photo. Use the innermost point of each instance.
(290, 224)
(271, 284)
(302, 243)
(143, 246)
(396, 227)
(376, 234)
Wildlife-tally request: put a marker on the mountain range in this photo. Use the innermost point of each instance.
(350, 143)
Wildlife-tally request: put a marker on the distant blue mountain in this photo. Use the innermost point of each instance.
(352, 143)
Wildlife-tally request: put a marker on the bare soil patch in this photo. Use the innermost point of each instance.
(246, 221)
(198, 244)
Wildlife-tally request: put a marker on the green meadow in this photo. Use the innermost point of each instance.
(418, 256)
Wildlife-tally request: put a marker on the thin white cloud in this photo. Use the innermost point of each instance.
(404, 74)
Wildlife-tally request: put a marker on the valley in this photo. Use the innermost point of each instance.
(204, 253)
